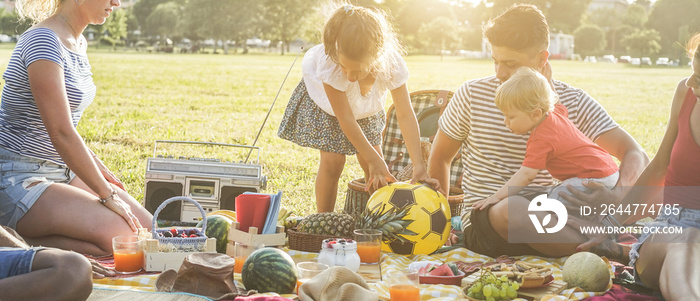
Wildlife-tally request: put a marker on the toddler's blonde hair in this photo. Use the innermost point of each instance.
(526, 90)
(362, 34)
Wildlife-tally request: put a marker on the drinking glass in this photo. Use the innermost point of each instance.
(307, 270)
(403, 285)
(369, 243)
(128, 253)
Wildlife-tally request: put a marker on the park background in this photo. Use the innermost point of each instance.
(223, 93)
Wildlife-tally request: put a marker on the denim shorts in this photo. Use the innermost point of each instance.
(17, 172)
(685, 218)
(16, 261)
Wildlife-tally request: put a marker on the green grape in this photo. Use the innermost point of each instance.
(512, 293)
(504, 278)
(498, 283)
(504, 292)
(487, 291)
(489, 298)
(516, 286)
(471, 295)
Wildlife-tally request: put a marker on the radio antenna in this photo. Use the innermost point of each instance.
(273, 104)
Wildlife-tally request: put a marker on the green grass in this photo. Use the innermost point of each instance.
(224, 98)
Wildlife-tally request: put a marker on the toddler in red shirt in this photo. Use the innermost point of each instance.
(528, 104)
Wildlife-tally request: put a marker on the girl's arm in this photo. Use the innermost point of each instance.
(47, 83)
(648, 186)
(411, 135)
(523, 177)
(378, 173)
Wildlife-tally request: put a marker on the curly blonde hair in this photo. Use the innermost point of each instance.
(526, 90)
(362, 34)
(37, 10)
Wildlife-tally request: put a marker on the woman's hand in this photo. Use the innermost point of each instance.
(107, 174)
(378, 175)
(120, 207)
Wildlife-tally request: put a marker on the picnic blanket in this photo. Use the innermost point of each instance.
(390, 262)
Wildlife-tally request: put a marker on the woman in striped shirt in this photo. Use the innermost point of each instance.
(53, 189)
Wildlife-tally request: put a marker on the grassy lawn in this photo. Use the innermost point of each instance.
(224, 98)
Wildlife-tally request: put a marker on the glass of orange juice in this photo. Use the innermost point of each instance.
(403, 285)
(307, 270)
(240, 254)
(128, 253)
(369, 243)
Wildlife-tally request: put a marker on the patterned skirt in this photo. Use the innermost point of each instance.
(305, 124)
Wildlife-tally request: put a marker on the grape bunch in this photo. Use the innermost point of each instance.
(490, 288)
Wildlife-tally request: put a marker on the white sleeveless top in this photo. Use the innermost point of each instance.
(318, 68)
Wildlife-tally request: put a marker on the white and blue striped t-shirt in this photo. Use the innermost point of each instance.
(491, 154)
(21, 128)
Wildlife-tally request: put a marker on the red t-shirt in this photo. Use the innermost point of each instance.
(559, 147)
(683, 175)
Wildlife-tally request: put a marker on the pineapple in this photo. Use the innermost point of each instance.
(390, 222)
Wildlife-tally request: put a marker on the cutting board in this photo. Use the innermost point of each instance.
(537, 293)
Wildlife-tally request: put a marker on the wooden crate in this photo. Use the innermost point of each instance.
(156, 261)
(251, 237)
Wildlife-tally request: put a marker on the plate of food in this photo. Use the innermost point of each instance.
(433, 272)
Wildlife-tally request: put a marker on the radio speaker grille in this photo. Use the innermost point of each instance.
(157, 193)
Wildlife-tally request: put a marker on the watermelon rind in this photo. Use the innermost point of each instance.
(269, 270)
(218, 227)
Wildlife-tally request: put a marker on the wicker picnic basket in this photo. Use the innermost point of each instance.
(185, 244)
(306, 242)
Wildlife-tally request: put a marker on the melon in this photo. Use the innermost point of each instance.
(587, 271)
(217, 227)
(269, 270)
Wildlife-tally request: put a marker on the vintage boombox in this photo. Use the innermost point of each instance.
(213, 183)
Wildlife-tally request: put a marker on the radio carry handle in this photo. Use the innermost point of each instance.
(155, 146)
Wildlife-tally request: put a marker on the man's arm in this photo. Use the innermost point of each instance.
(443, 151)
(633, 160)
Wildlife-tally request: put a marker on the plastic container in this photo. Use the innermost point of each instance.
(340, 252)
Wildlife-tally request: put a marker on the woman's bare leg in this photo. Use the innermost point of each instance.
(70, 218)
(145, 217)
(670, 263)
(55, 275)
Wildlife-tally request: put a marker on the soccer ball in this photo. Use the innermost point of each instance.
(428, 208)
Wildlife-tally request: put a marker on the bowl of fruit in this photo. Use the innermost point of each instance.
(432, 272)
(491, 287)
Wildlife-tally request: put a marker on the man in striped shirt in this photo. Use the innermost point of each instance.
(491, 154)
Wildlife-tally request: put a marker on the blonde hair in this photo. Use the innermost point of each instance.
(693, 47)
(362, 34)
(37, 10)
(526, 90)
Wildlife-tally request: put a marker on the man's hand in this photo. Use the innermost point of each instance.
(99, 271)
(594, 239)
(597, 195)
(480, 205)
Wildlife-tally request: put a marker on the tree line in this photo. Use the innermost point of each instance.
(424, 26)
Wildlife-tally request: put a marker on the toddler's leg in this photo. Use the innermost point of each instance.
(329, 170)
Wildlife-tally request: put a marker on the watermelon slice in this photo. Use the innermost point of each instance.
(443, 270)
